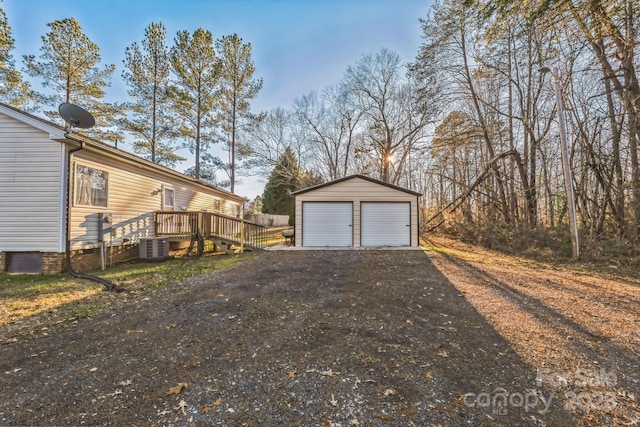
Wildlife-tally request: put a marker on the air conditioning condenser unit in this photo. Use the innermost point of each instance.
(154, 248)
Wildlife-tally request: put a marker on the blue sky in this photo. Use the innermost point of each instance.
(298, 45)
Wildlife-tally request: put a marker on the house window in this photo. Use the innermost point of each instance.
(92, 186)
(168, 198)
(217, 206)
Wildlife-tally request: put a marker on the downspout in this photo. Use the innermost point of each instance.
(418, 218)
(107, 284)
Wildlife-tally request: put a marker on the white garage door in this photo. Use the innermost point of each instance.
(385, 224)
(327, 224)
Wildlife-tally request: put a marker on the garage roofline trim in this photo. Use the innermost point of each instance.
(346, 178)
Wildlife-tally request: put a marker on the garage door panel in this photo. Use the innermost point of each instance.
(327, 224)
(385, 224)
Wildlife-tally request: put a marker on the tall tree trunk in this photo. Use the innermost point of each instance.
(512, 146)
(233, 142)
(629, 91)
(154, 120)
(485, 133)
(198, 124)
(618, 203)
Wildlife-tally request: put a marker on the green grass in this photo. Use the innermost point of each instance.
(65, 297)
(149, 276)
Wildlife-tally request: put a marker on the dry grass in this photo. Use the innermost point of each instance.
(558, 318)
(29, 301)
(23, 296)
(273, 236)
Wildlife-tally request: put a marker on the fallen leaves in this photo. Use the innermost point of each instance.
(329, 373)
(210, 406)
(354, 420)
(182, 406)
(383, 417)
(333, 401)
(177, 389)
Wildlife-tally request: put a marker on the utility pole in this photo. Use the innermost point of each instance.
(566, 167)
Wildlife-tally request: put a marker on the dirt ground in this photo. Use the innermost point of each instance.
(342, 338)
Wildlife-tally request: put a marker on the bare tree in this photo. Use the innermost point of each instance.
(393, 118)
(332, 122)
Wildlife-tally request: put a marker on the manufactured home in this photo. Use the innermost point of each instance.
(62, 192)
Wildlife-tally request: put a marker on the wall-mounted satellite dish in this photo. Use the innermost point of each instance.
(76, 117)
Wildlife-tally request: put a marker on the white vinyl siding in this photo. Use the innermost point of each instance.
(30, 179)
(33, 178)
(327, 224)
(385, 224)
(134, 195)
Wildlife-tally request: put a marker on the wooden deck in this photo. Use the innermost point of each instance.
(187, 226)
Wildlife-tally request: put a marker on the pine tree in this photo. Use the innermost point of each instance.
(13, 90)
(194, 96)
(69, 66)
(237, 88)
(147, 75)
(284, 178)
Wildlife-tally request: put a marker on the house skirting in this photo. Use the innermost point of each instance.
(89, 259)
(32, 262)
(54, 262)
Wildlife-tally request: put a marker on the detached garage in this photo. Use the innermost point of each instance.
(356, 211)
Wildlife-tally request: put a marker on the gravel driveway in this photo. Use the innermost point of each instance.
(287, 338)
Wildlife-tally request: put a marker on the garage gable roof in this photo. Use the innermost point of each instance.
(346, 178)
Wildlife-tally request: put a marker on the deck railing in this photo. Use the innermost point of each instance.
(186, 225)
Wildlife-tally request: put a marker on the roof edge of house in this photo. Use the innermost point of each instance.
(59, 134)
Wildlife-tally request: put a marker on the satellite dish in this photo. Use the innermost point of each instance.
(77, 117)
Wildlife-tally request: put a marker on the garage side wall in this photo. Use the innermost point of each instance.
(356, 190)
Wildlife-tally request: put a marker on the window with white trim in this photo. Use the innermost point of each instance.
(91, 187)
(168, 198)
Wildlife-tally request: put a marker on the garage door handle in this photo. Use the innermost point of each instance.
(350, 225)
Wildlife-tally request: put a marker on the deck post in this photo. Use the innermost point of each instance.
(242, 236)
